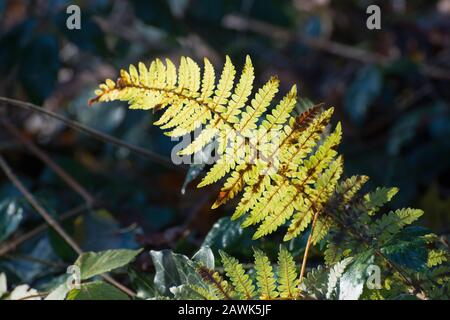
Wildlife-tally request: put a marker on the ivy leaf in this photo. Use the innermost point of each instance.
(24, 292)
(351, 284)
(29, 271)
(173, 270)
(92, 264)
(96, 290)
(227, 235)
(184, 292)
(142, 282)
(205, 257)
(59, 293)
(99, 230)
(3, 284)
(11, 214)
(408, 249)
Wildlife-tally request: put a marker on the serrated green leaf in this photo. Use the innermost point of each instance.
(95, 263)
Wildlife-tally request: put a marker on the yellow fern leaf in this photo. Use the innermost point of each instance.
(265, 277)
(262, 154)
(241, 281)
(324, 188)
(258, 106)
(209, 80)
(287, 274)
(241, 93)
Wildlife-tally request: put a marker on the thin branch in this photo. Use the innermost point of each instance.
(35, 204)
(157, 158)
(239, 23)
(51, 221)
(13, 244)
(49, 162)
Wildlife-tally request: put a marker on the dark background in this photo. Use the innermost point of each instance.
(390, 88)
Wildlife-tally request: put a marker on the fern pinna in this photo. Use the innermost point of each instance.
(272, 157)
(286, 168)
(268, 283)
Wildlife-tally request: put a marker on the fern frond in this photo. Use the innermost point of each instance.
(390, 224)
(378, 198)
(324, 188)
(436, 257)
(190, 101)
(274, 158)
(204, 293)
(257, 107)
(286, 167)
(241, 281)
(347, 189)
(265, 277)
(323, 225)
(220, 286)
(335, 274)
(241, 94)
(287, 275)
(344, 192)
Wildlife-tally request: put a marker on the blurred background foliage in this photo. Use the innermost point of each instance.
(389, 88)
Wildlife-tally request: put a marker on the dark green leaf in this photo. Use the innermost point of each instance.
(173, 270)
(96, 290)
(11, 214)
(39, 67)
(362, 93)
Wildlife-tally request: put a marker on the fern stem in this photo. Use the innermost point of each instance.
(308, 245)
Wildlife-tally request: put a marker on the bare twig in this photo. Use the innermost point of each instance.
(239, 23)
(51, 221)
(35, 204)
(13, 244)
(49, 162)
(157, 158)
